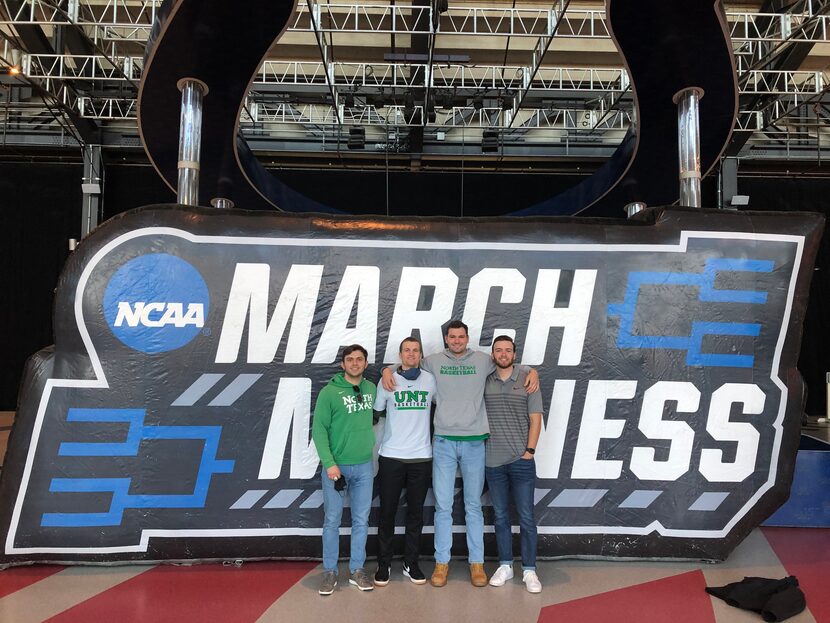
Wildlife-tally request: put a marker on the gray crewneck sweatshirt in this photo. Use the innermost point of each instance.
(460, 396)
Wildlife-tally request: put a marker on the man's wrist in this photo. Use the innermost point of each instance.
(530, 450)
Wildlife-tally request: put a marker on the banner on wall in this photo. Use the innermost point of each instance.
(172, 420)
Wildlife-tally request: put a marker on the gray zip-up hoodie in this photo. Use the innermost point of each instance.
(460, 396)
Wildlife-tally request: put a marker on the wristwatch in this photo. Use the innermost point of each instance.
(530, 450)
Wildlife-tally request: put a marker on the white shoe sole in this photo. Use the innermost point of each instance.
(379, 583)
(362, 588)
(414, 581)
(322, 592)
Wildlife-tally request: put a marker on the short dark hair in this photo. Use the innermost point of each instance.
(504, 338)
(348, 350)
(456, 324)
(411, 338)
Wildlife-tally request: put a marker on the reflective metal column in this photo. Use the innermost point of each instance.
(190, 139)
(688, 144)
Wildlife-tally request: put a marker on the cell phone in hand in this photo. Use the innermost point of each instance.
(340, 483)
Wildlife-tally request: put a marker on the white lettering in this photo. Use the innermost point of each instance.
(512, 284)
(249, 295)
(292, 410)
(718, 425)
(158, 314)
(552, 437)
(361, 284)
(679, 434)
(573, 318)
(594, 428)
(407, 317)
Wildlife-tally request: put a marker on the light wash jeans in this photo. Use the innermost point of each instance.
(359, 481)
(446, 457)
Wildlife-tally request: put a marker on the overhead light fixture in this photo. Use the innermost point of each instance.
(357, 138)
(442, 6)
(349, 100)
(489, 141)
(478, 102)
(507, 102)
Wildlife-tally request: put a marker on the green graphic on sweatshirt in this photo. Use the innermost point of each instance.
(458, 370)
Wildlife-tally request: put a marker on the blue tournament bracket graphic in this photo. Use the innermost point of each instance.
(172, 420)
(705, 284)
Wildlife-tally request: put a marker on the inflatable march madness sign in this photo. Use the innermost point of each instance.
(172, 419)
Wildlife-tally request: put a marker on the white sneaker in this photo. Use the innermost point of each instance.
(531, 581)
(502, 574)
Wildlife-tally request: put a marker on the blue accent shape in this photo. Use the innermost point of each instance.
(119, 487)
(713, 266)
(705, 281)
(158, 284)
(135, 417)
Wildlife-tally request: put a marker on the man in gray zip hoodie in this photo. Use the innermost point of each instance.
(460, 430)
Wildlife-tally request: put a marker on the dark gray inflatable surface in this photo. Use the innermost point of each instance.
(172, 419)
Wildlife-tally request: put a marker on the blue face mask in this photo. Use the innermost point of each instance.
(411, 374)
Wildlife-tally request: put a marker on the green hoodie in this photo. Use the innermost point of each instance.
(342, 427)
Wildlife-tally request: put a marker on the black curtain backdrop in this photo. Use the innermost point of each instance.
(41, 210)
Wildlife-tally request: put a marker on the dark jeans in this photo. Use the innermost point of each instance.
(518, 478)
(393, 477)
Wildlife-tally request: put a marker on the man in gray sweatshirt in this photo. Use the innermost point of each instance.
(460, 430)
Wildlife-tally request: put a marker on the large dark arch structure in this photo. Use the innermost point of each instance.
(667, 45)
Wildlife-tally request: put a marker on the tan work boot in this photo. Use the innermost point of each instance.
(439, 576)
(477, 575)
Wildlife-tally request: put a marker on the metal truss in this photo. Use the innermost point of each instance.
(369, 18)
(471, 79)
(129, 20)
(585, 102)
(261, 114)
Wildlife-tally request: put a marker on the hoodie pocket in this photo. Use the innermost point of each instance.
(459, 416)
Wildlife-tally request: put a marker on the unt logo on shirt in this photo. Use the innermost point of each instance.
(408, 400)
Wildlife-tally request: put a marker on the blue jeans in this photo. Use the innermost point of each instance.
(359, 481)
(446, 457)
(518, 478)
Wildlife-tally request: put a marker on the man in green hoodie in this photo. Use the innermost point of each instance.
(343, 435)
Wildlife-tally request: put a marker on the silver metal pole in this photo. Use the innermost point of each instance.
(635, 206)
(190, 140)
(688, 145)
(91, 188)
(222, 203)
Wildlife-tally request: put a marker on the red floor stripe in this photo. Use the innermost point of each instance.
(204, 593)
(805, 553)
(14, 579)
(679, 599)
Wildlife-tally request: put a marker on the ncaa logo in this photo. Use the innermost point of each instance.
(156, 303)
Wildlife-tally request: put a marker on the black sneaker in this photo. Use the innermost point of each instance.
(382, 575)
(414, 573)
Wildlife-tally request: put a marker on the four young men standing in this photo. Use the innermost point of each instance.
(461, 436)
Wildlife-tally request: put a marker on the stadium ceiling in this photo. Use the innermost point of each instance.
(415, 85)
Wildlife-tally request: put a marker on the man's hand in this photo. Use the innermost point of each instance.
(527, 456)
(531, 382)
(388, 380)
(333, 472)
